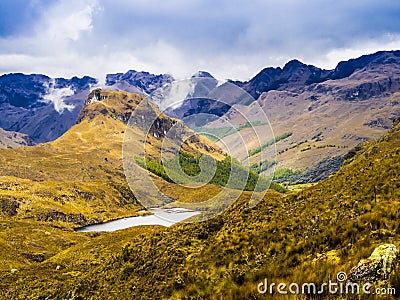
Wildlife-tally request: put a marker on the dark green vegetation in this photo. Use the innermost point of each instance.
(262, 166)
(215, 134)
(304, 237)
(269, 143)
(228, 172)
(283, 174)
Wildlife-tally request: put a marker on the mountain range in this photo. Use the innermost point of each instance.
(44, 108)
(327, 112)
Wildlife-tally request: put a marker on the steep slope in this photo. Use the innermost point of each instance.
(137, 82)
(295, 75)
(305, 237)
(12, 139)
(39, 106)
(358, 103)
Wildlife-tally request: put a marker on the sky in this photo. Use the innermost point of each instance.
(231, 39)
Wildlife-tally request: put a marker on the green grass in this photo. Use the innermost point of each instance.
(284, 173)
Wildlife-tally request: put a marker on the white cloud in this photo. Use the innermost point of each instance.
(57, 97)
(68, 20)
(331, 58)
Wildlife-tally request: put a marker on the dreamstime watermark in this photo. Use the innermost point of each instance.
(340, 286)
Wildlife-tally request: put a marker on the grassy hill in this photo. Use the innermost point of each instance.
(48, 190)
(302, 237)
(78, 178)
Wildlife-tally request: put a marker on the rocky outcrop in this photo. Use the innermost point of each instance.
(117, 105)
(319, 172)
(12, 139)
(296, 76)
(140, 82)
(378, 266)
(39, 106)
(76, 218)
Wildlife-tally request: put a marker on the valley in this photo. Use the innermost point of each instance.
(328, 227)
(331, 136)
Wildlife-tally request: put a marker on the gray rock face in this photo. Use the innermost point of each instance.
(378, 266)
(12, 139)
(296, 76)
(137, 82)
(39, 106)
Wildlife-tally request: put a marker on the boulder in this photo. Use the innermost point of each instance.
(378, 266)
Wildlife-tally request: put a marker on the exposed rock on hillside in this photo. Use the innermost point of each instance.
(378, 266)
(12, 139)
(139, 82)
(39, 106)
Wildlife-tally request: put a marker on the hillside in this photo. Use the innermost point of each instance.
(358, 102)
(305, 237)
(80, 175)
(79, 178)
(12, 139)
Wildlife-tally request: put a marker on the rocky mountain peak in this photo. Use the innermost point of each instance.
(346, 68)
(143, 82)
(202, 74)
(293, 65)
(115, 104)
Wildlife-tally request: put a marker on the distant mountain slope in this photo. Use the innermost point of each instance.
(12, 139)
(137, 82)
(44, 108)
(326, 119)
(295, 76)
(39, 106)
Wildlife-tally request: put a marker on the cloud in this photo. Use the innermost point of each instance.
(57, 97)
(230, 39)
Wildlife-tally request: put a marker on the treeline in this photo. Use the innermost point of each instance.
(187, 168)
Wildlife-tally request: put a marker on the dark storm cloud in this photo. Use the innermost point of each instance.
(230, 38)
(242, 24)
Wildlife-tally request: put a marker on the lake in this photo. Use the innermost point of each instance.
(160, 216)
